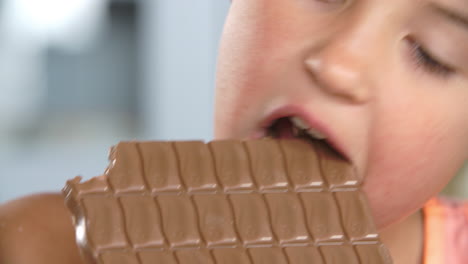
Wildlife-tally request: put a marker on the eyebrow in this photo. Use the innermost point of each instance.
(457, 18)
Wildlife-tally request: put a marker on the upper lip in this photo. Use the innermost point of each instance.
(311, 120)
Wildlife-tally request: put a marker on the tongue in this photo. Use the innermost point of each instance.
(283, 128)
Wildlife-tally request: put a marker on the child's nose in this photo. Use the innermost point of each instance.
(340, 71)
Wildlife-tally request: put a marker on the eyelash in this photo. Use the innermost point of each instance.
(428, 63)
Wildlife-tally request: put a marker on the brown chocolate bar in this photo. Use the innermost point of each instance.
(262, 201)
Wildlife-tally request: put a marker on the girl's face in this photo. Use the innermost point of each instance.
(385, 81)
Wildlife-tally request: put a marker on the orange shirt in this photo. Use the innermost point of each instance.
(445, 231)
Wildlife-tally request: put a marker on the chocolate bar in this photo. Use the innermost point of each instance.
(258, 201)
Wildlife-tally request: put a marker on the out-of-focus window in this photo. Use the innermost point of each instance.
(78, 76)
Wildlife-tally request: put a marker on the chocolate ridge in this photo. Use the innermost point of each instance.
(224, 196)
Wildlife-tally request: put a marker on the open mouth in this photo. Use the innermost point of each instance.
(294, 127)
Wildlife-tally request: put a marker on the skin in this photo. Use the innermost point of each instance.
(37, 229)
(350, 66)
(353, 68)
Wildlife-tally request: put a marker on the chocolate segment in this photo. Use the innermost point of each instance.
(142, 221)
(323, 217)
(153, 256)
(126, 174)
(252, 220)
(356, 217)
(225, 202)
(179, 221)
(339, 255)
(304, 255)
(105, 223)
(271, 255)
(120, 257)
(160, 167)
(216, 220)
(302, 165)
(287, 218)
(231, 255)
(201, 256)
(376, 253)
(196, 166)
(267, 165)
(339, 175)
(232, 166)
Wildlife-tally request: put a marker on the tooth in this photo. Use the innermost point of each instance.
(296, 131)
(299, 122)
(316, 134)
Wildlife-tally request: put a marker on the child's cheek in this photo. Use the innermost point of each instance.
(412, 161)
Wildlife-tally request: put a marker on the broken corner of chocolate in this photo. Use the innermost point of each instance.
(258, 201)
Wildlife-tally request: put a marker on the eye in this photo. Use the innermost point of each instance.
(428, 62)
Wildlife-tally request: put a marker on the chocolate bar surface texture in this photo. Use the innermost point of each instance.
(231, 202)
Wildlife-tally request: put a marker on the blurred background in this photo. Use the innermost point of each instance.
(78, 76)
